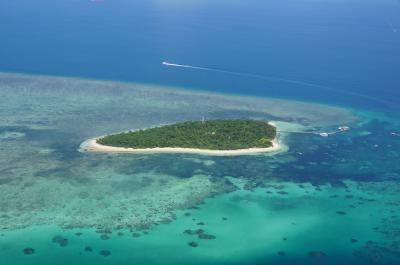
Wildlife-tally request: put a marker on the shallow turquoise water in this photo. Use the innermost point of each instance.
(324, 200)
(250, 227)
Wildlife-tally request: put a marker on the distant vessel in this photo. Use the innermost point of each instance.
(344, 128)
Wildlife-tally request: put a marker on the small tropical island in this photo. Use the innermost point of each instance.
(213, 137)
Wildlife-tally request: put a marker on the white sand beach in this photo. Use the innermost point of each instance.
(92, 146)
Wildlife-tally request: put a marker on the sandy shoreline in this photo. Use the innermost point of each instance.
(92, 146)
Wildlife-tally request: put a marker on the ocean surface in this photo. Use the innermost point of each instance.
(72, 70)
(351, 47)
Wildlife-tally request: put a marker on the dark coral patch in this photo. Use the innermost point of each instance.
(341, 212)
(199, 231)
(189, 232)
(105, 253)
(281, 253)
(60, 240)
(88, 249)
(64, 242)
(206, 236)
(28, 251)
(193, 244)
(193, 232)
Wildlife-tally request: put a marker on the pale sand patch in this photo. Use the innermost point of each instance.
(92, 146)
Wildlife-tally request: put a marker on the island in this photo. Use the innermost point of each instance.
(211, 137)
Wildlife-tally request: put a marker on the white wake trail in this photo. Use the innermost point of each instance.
(176, 65)
(279, 79)
(188, 66)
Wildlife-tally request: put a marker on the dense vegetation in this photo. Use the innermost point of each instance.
(212, 134)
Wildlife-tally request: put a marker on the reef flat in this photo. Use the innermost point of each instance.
(330, 200)
(46, 119)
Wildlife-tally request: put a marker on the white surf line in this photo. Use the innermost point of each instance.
(278, 79)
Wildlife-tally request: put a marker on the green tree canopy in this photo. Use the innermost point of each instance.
(212, 134)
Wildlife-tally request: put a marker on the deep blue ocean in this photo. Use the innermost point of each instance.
(351, 47)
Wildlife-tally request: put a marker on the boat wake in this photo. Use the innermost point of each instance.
(285, 80)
